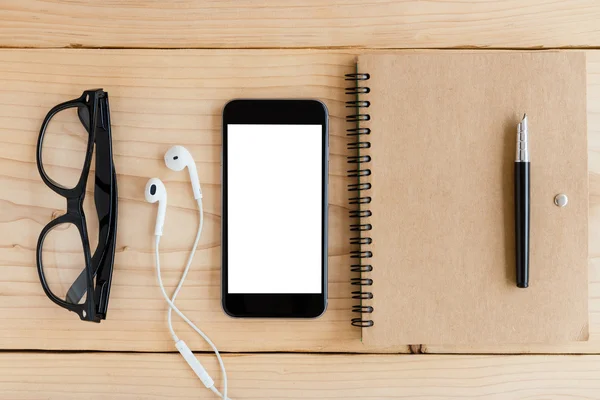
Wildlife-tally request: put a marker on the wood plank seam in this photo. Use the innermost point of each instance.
(319, 48)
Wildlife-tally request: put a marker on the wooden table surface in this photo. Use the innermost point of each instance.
(169, 68)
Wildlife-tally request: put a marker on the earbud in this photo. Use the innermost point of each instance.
(156, 192)
(177, 158)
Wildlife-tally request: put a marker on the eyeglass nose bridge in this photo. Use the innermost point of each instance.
(75, 204)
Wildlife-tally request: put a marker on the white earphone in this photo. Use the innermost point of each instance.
(176, 159)
(156, 192)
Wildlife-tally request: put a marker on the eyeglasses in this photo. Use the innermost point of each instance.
(70, 275)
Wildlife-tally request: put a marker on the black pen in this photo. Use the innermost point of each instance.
(522, 204)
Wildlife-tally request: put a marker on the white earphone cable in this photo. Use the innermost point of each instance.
(186, 270)
(172, 307)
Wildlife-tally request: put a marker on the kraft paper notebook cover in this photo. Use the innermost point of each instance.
(434, 221)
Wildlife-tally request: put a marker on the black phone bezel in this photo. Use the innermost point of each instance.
(280, 112)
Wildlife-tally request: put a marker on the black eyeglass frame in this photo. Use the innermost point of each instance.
(94, 114)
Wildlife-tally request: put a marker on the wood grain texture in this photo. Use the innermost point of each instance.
(288, 376)
(312, 23)
(164, 97)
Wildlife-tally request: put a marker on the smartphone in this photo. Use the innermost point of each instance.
(274, 167)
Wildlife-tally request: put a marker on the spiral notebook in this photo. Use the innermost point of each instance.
(432, 197)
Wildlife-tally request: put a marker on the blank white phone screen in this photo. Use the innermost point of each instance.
(274, 208)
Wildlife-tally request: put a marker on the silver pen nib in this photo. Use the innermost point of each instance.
(522, 154)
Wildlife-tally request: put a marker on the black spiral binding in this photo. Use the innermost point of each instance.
(358, 199)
